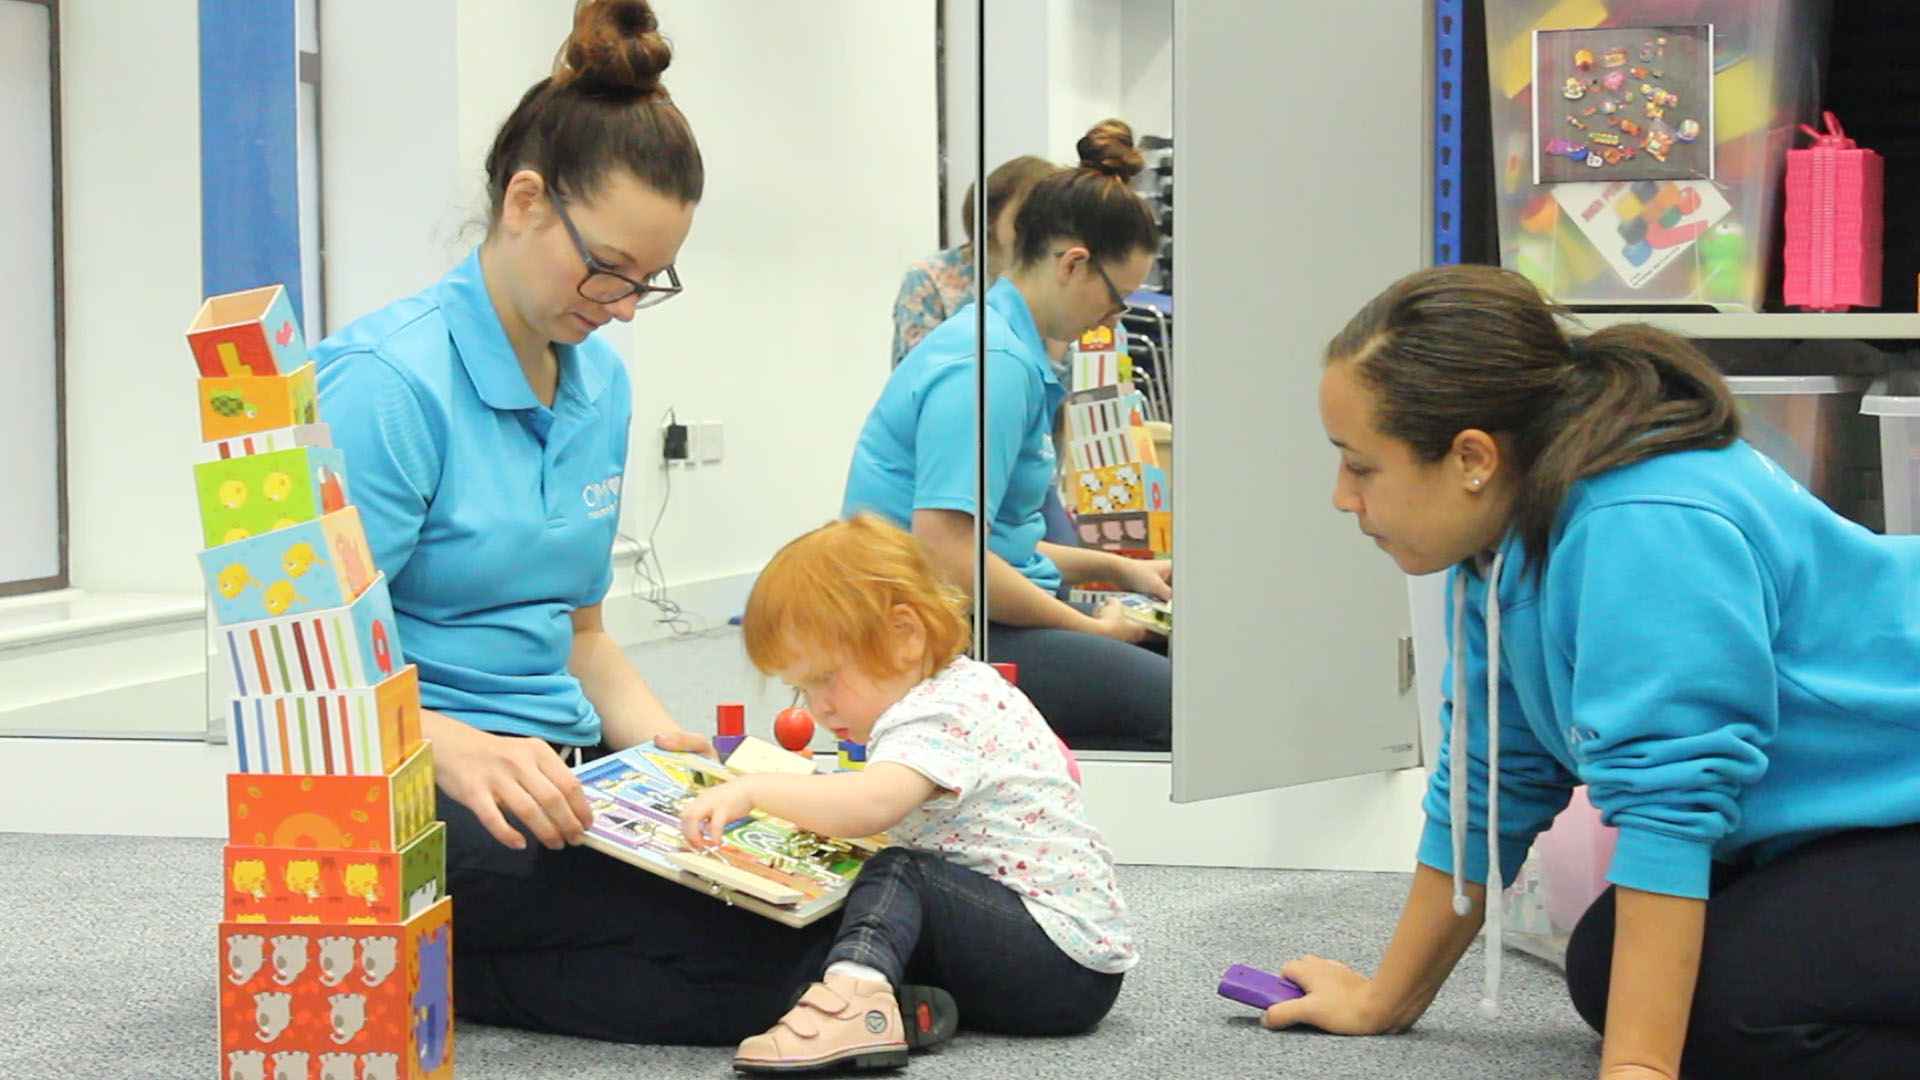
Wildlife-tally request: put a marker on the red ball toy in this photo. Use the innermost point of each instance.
(793, 728)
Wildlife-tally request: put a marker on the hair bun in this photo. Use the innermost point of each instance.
(1108, 147)
(615, 48)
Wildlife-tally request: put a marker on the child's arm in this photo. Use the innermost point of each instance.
(848, 804)
(1656, 960)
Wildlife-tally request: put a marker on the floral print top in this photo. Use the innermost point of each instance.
(934, 288)
(1009, 808)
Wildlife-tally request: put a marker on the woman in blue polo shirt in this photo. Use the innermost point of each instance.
(1083, 241)
(486, 433)
(1644, 604)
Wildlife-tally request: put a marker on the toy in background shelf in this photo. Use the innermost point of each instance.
(337, 932)
(1114, 483)
(1835, 190)
(1735, 76)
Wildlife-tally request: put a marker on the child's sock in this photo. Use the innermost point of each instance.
(857, 971)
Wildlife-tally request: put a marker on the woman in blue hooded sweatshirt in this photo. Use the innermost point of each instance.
(1642, 603)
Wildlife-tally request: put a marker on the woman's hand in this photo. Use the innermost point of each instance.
(691, 742)
(1338, 999)
(707, 816)
(1110, 620)
(1151, 577)
(495, 775)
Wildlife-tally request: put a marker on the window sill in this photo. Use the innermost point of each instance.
(66, 614)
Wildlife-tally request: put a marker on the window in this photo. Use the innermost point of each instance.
(33, 517)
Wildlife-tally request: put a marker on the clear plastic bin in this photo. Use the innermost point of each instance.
(1765, 84)
(1811, 426)
(1899, 415)
(1564, 874)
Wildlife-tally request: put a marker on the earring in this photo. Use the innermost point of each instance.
(1477, 481)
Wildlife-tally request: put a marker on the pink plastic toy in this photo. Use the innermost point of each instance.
(1833, 224)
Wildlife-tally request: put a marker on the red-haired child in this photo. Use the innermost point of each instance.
(997, 898)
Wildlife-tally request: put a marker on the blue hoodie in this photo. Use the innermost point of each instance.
(1732, 668)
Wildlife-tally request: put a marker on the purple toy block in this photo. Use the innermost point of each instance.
(1251, 986)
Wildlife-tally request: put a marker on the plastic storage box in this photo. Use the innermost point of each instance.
(1811, 426)
(1764, 83)
(1898, 408)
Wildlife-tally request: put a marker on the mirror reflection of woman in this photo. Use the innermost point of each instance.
(938, 286)
(1083, 241)
(485, 429)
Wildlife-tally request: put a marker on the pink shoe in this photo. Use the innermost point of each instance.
(845, 1021)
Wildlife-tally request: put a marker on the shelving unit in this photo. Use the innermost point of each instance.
(1862, 326)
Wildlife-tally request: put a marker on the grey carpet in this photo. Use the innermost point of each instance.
(108, 970)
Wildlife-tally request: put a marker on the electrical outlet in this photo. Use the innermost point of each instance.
(708, 445)
(673, 442)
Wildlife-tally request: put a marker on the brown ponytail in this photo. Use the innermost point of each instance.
(603, 109)
(1092, 204)
(1453, 348)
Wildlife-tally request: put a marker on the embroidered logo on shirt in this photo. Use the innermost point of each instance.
(602, 498)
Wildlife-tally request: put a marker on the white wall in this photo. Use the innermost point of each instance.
(821, 189)
(1146, 65)
(1083, 69)
(395, 186)
(131, 155)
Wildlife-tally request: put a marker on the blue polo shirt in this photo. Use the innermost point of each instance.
(492, 515)
(916, 450)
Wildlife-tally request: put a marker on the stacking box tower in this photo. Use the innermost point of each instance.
(1115, 485)
(336, 939)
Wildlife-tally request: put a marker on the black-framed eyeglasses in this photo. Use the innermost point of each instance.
(1114, 294)
(603, 285)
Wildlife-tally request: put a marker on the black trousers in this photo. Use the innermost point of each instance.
(918, 918)
(1810, 965)
(1096, 692)
(580, 943)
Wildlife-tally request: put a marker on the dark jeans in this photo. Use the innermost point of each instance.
(1096, 692)
(580, 943)
(1810, 966)
(920, 919)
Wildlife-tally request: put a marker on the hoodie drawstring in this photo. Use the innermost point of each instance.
(1458, 780)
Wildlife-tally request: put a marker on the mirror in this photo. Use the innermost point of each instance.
(1087, 515)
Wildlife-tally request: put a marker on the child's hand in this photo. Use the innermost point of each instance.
(707, 816)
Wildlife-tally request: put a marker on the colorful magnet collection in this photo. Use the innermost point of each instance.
(1612, 89)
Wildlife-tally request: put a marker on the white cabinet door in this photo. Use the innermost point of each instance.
(1301, 154)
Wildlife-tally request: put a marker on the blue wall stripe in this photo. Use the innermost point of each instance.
(1449, 38)
(249, 168)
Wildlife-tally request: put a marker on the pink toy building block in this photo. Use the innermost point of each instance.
(1833, 223)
